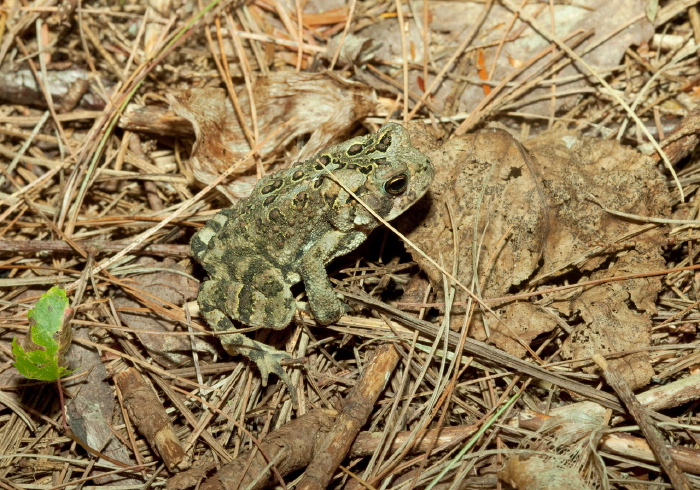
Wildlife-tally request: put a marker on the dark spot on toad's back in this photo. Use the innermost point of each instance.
(355, 149)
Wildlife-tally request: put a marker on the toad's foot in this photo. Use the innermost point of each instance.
(328, 315)
(265, 357)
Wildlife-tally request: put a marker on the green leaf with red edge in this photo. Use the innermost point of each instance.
(49, 338)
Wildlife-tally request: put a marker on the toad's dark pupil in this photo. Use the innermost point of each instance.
(397, 184)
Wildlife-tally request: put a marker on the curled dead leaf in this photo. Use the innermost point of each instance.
(525, 213)
(321, 104)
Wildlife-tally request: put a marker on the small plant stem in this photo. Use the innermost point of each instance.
(66, 429)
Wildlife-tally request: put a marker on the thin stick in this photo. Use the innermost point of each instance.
(649, 429)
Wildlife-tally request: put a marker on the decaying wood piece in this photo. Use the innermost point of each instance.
(154, 119)
(365, 444)
(148, 414)
(289, 449)
(319, 439)
(93, 247)
(683, 139)
(357, 407)
(433, 440)
(629, 446)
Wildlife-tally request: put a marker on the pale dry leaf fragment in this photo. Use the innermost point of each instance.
(324, 6)
(354, 50)
(320, 104)
(537, 472)
(601, 18)
(156, 15)
(387, 29)
(558, 454)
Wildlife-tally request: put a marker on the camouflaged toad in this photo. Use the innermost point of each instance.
(294, 223)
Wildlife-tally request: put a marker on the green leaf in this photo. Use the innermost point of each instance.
(49, 338)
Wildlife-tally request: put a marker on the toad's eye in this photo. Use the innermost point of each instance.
(396, 185)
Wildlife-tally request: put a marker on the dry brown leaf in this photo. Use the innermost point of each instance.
(575, 168)
(548, 225)
(321, 104)
(610, 326)
(90, 410)
(616, 315)
(528, 322)
(484, 177)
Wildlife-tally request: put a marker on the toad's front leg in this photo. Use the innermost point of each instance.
(324, 302)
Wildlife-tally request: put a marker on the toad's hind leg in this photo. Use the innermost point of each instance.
(265, 299)
(220, 300)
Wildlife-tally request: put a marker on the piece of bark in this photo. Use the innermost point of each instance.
(653, 436)
(367, 442)
(629, 446)
(318, 439)
(155, 119)
(93, 247)
(69, 88)
(190, 478)
(683, 139)
(365, 445)
(149, 417)
(357, 407)
(290, 448)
